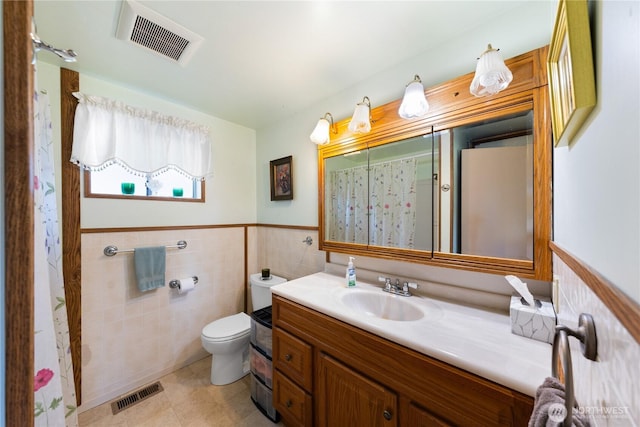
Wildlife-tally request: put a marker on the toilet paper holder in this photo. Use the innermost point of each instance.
(175, 283)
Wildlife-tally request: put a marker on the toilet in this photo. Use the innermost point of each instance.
(227, 339)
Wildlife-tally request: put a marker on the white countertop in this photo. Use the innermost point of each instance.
(472, 339)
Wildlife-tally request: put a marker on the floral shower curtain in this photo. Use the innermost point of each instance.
(348, 205)
(385, 192)
(55, 396)
(392, 206)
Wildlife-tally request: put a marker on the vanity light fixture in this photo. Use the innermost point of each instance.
(320, 134)
(492, 75)
(414, 103)
(361, 120)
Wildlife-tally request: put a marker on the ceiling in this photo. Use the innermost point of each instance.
(260, 61)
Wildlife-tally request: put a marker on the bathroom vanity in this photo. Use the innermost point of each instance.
(334, 365)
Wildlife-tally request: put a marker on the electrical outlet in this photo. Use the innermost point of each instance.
(555, 293)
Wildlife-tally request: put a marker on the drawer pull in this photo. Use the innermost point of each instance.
(288, 403)
(387, 415)
(287, 357)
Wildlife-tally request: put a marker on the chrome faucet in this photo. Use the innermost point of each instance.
(397, 289)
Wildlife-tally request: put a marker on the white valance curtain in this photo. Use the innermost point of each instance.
(145, 142)
(375, 204)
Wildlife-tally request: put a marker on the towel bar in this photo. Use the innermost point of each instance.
(112, 250)
(586, 334)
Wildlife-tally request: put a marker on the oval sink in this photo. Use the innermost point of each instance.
(381, 305)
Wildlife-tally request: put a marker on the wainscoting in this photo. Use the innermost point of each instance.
(607, 388)
(130, 338)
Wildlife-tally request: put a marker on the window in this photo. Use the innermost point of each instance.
(116, 181)
(129, 152)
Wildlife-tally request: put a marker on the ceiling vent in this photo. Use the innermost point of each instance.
(147, 28)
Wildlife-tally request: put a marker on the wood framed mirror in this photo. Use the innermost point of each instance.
(467, 186)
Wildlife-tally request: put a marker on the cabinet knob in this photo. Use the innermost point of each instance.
(387, 415)
(287, 357)
(288, 403)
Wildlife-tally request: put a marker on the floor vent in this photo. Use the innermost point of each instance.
(147, 28)
(135, 397)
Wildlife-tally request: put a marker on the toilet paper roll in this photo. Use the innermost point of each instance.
(187, 284)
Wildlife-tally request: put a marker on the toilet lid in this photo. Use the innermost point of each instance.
(227, 328)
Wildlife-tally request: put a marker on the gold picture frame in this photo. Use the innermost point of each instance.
(570, 67)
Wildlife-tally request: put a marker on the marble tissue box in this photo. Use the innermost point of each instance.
(538, 323)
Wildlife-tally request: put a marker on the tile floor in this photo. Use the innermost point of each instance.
(188, 400)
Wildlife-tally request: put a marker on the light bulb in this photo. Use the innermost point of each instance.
(414, 103)
(492, 75)
(360, 121)
(320, 134)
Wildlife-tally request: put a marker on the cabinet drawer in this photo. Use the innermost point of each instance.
(292, 402)
(293, 357)
(261, 365)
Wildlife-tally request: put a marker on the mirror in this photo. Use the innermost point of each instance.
(382, 196)
(467, 186)
(486, 188)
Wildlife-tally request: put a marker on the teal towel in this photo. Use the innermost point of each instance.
(150, 266)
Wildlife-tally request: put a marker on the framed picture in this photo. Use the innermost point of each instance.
(570, 67)
(281, 179)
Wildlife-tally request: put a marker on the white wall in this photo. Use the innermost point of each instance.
(520, 31)
(230, 193)
(597, 177)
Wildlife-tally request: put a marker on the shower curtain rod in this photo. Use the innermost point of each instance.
(67, 55)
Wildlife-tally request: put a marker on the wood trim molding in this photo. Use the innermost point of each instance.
(626, 310)
(290, 227)
(192, 227)
(71, 238)
(160, 228)
(246, 268)
(19, 212)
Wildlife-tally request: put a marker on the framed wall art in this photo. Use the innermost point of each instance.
(281, 179)
(570, 67)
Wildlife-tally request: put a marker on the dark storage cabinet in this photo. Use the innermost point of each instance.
(261, 363)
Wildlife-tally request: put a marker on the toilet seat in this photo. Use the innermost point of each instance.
(227, 328)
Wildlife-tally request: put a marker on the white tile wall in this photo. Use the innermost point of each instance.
(130, 338)
(608, 388)
(284, 252)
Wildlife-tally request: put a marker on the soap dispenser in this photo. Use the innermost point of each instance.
(351, 273)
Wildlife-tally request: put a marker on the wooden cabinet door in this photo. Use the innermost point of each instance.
(346, 398)
(420, 417)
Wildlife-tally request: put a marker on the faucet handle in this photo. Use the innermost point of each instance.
(386, 280)
(407, 285)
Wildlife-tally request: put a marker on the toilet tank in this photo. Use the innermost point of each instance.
(261, 290)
